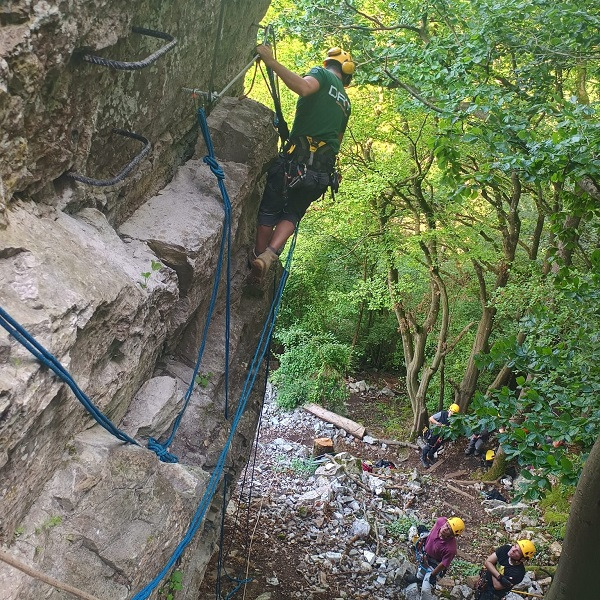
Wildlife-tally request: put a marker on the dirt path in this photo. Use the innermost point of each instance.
(304, 529)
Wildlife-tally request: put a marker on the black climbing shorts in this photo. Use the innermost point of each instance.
(279, 204)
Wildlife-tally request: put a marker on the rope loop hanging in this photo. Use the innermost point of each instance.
(134, 65)
(125, 170)
(162, 448)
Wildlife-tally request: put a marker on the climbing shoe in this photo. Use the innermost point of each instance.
(425, 463)
(262, 263)
(252, 256)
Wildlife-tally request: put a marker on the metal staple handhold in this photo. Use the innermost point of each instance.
(125, 171)
(132, 66)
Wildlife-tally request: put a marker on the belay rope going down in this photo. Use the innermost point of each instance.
(161, 449)
(259, 354)
(46, 358)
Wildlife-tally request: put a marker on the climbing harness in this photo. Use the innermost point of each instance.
(136, 65)
(125, 171)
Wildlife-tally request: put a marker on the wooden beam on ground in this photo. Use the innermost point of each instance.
(456, 474)
(458, 491)
(437, 464)
(59, 585)
(465, 481)
(353, 428)
(398, 443)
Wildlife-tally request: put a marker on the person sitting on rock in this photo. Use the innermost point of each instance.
(434, 441)
(476, 442)
(504, 568)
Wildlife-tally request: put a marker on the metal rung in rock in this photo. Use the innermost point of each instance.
(132, 66)
(125, 171)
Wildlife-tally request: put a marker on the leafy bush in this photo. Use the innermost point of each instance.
(304, 466)
(311, 369)
(464, 568)
(553, 416)
(400, 526)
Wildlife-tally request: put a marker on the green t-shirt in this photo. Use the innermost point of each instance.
(324, 114)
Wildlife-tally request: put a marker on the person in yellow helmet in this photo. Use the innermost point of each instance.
(504, 569)
(433, 439)
(436, 551)
(306, 167)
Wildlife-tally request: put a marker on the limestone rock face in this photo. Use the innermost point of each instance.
(116, 283)
(57, 112)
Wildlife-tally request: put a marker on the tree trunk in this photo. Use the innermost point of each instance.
(578, 567)
(505, 372)
(498, 467)
(469, 381)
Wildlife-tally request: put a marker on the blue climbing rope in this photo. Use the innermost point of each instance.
(46, 358)
(224, 554)
(215, 477)
(50, 361)
(162, 449)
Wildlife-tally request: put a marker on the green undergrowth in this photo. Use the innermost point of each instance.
(555, 507)
(464, 568)
(400, 527)
(312, 369)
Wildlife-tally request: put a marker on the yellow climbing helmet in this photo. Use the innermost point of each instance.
(454, 408)
(489, 455)
(457, 525)
(527, 548)
(343, 58)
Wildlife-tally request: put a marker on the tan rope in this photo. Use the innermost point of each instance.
(17, 564)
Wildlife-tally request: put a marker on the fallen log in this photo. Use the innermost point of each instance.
(398, 443)
(437, 464)
(458, 491)
(465, 481)
(353, 428)
(322, 446)
(456, 474)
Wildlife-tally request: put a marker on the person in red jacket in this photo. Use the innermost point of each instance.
(436, 551)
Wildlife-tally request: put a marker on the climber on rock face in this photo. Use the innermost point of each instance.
(306, 167)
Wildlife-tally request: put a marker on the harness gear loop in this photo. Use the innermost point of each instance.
(313, 146)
